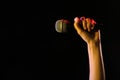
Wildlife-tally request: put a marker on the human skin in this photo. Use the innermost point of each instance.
(93, 41)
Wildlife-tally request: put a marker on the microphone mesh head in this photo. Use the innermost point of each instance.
(60, 26)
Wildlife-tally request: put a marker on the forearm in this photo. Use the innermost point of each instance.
(97, 71)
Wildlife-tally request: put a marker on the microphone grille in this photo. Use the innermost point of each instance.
(60, 26)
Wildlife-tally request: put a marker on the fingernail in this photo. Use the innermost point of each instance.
(82, 18)
(76, 19)
(93, 21)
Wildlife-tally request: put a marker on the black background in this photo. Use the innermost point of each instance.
(32, 49)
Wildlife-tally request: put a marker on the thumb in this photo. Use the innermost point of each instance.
(77, 26)
(80, 30)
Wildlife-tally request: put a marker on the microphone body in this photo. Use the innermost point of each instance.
(64, 26)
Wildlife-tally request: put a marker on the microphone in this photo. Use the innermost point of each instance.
(64, 26)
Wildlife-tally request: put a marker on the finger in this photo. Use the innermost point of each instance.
(88, 24)
(92, 23)
(83, 22)
(92, 26)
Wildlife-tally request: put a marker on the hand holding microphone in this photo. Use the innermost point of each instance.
(87, 28)
(64, 26)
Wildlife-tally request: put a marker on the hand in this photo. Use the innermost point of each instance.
(86, 30)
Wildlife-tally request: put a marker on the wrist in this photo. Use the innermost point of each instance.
(93, 43)
(94, 47)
